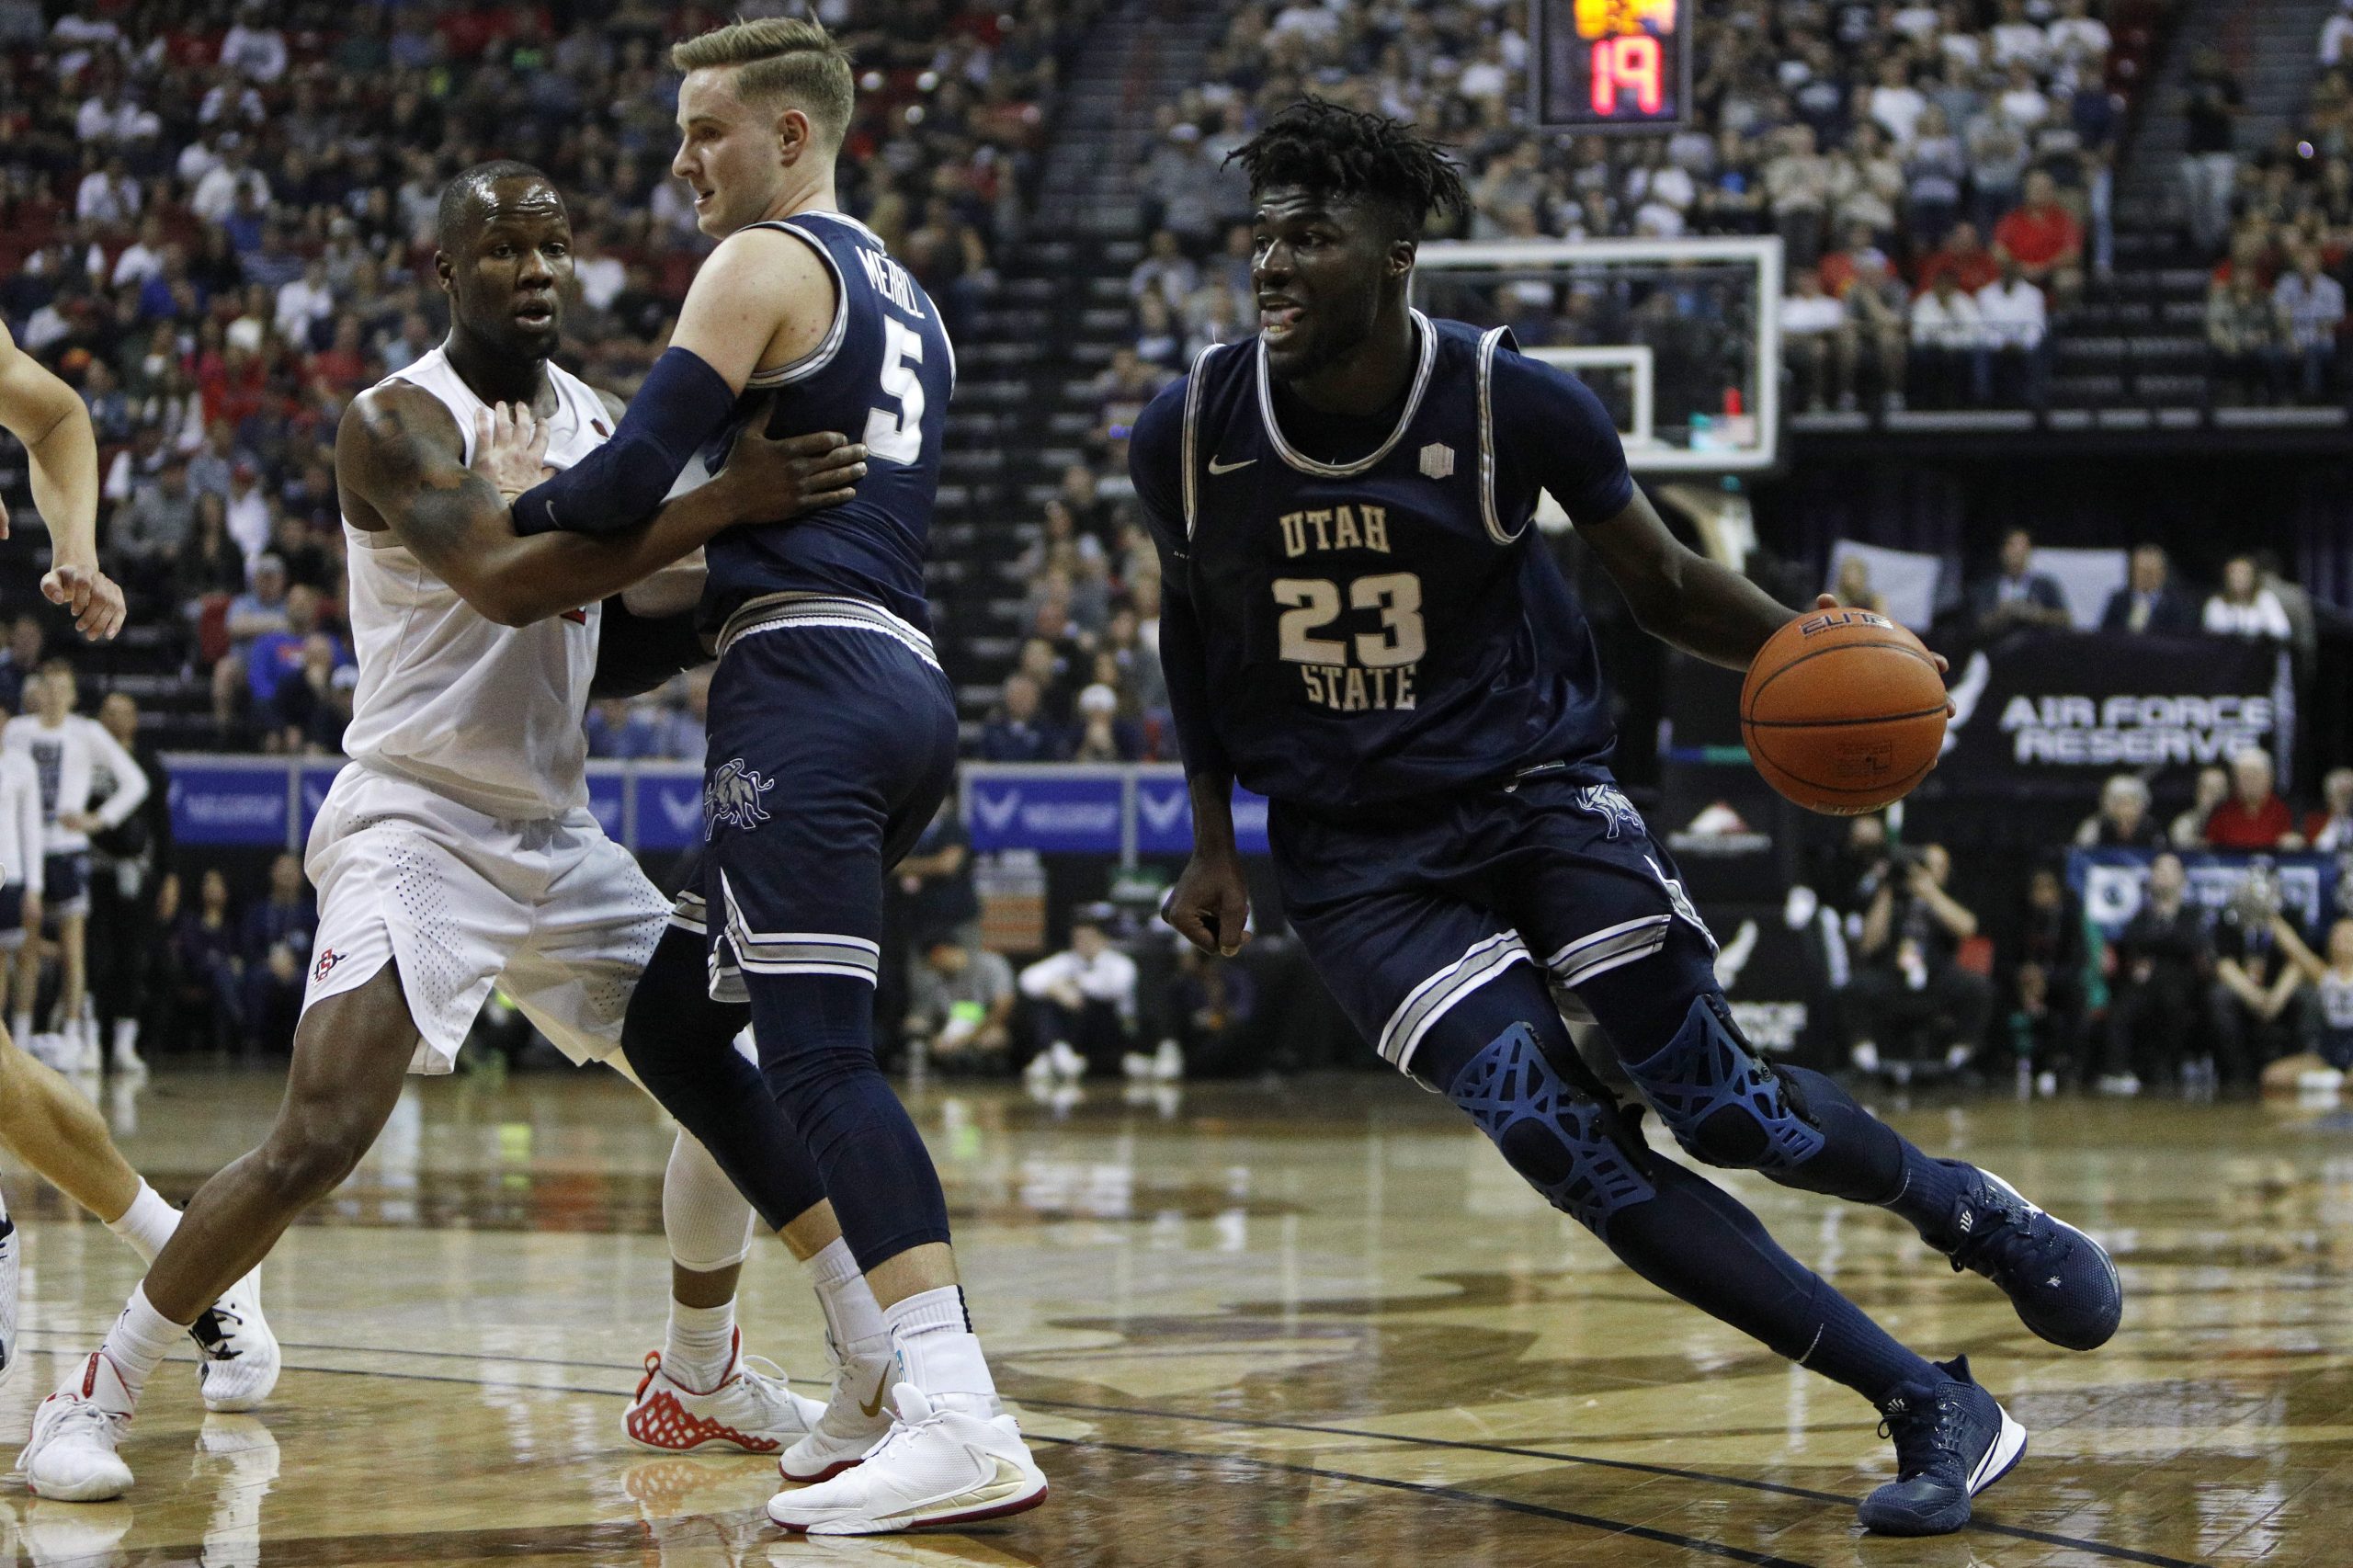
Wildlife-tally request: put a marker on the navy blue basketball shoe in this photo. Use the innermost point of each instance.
(1952, 1441)
(2063, 1282)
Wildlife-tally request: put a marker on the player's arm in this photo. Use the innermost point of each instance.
(1210, 906)
(752, 288)
(47, 416)
(399, 453)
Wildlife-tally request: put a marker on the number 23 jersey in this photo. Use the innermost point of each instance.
(1388, 624)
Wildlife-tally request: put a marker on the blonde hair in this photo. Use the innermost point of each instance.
(785, 57)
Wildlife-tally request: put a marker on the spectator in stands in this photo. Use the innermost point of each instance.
(260, 609)
(248, 515)
(1964, 258)
(2148, 602)
(203, 1000)
(276, 658)
(1875, 301)
(313, 708)
(1854, 587)
(27, 645)
(2243, 606)
(2336, 36)
(147, 534)
(2122, 821)
(2016, 595)
(2329, 829)
(2164, 963)
(959, 1004)
(2044, 239)
(2326, 1053)
(1102, 735)
(208, 563)
(275, 951)
(2188, 831)
(2254, 817)
(1949, 351)
(1160, 342)
(2244, 336)
(1816, 344)
(1016, 732)
(621, 730)
(1935, 172)
(2211, 104)
(2254, 1001)
(1997, 164)
(1083, 1003)
(2014, 315)
(1797, 193)
(1907, 977)
(2312, 311)
(1164, 270)
(2296, 603)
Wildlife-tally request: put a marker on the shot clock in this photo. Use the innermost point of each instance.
(1610, 64)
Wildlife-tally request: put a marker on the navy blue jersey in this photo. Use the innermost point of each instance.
(882, 376)
(1385, 626)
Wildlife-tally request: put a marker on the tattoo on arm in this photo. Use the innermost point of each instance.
(409, 466)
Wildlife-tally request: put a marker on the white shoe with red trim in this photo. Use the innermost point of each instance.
(749, 1410)
(937, 1467)
(856, 1417)
(71, 1456)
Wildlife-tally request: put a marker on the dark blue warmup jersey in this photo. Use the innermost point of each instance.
(1385, 625)
(882, 376)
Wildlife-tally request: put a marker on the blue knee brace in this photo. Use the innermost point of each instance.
(1721, 1101)
(1556, 1137)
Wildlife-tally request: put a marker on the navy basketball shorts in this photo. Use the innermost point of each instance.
(1405, 912)
(67, 877)
(12, 916)
(833, 740)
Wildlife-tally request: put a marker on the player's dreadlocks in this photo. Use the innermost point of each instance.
(1330, 148)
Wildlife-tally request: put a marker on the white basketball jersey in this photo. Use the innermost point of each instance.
(488, 715)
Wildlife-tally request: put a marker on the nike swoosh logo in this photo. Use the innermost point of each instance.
(873, 1409)
(1217, 468)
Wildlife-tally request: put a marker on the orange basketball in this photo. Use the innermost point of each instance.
(1843, 712)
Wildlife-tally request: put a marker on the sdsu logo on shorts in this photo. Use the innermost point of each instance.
(732, 797)
(325, 966)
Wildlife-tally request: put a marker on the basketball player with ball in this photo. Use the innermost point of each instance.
(1358, 623)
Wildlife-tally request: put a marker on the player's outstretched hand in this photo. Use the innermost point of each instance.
(775, 479)
(1944, 665)
(91, 595)
(1210, 906)
(509, 445)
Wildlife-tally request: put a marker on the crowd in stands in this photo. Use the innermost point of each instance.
(2278, 223)
(1890, 147)
(216, 223)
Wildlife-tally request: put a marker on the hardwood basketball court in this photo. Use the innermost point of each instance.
(1291, 1326)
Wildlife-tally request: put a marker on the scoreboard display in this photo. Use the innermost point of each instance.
(1610, 64)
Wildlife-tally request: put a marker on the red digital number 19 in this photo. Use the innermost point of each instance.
(1628, 64)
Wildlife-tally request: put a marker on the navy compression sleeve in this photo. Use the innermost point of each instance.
(683, 404)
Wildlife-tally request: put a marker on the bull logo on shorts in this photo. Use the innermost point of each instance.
(730, 798)
(1604, 801)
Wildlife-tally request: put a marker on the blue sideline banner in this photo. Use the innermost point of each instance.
(2111, 883)
(231, 800)
(1060, 811)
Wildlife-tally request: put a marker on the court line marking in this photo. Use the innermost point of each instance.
(1987, 1527)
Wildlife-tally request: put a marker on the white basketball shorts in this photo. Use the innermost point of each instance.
(552, 912)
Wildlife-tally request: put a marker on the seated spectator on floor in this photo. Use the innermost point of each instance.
(2015, 319)
(2256, 1013)
(1854, 587)
(19, 660)
(275, 947)
(206, 1000)
(2164, 960)
(2325, 1053)
(1948, 348)
(2148, 602)
(2254, 817)
(1083, 1001)
(2330, 828)
(2122, 821)
(1816, 344)
(2243, 338)
(1211, 1002)
(2017, 596)
(2243, 606)
(1016, 732)
(2312, 312)
(1907, 980)
(959, 1004)
(1964, 258)
(2048, 960)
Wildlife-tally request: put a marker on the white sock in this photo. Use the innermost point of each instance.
(700, 1345)
(940, 1353)
(137, 1342)
(126, 1036)
(848, 1301)
(147, 1224)
(21, 1026)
